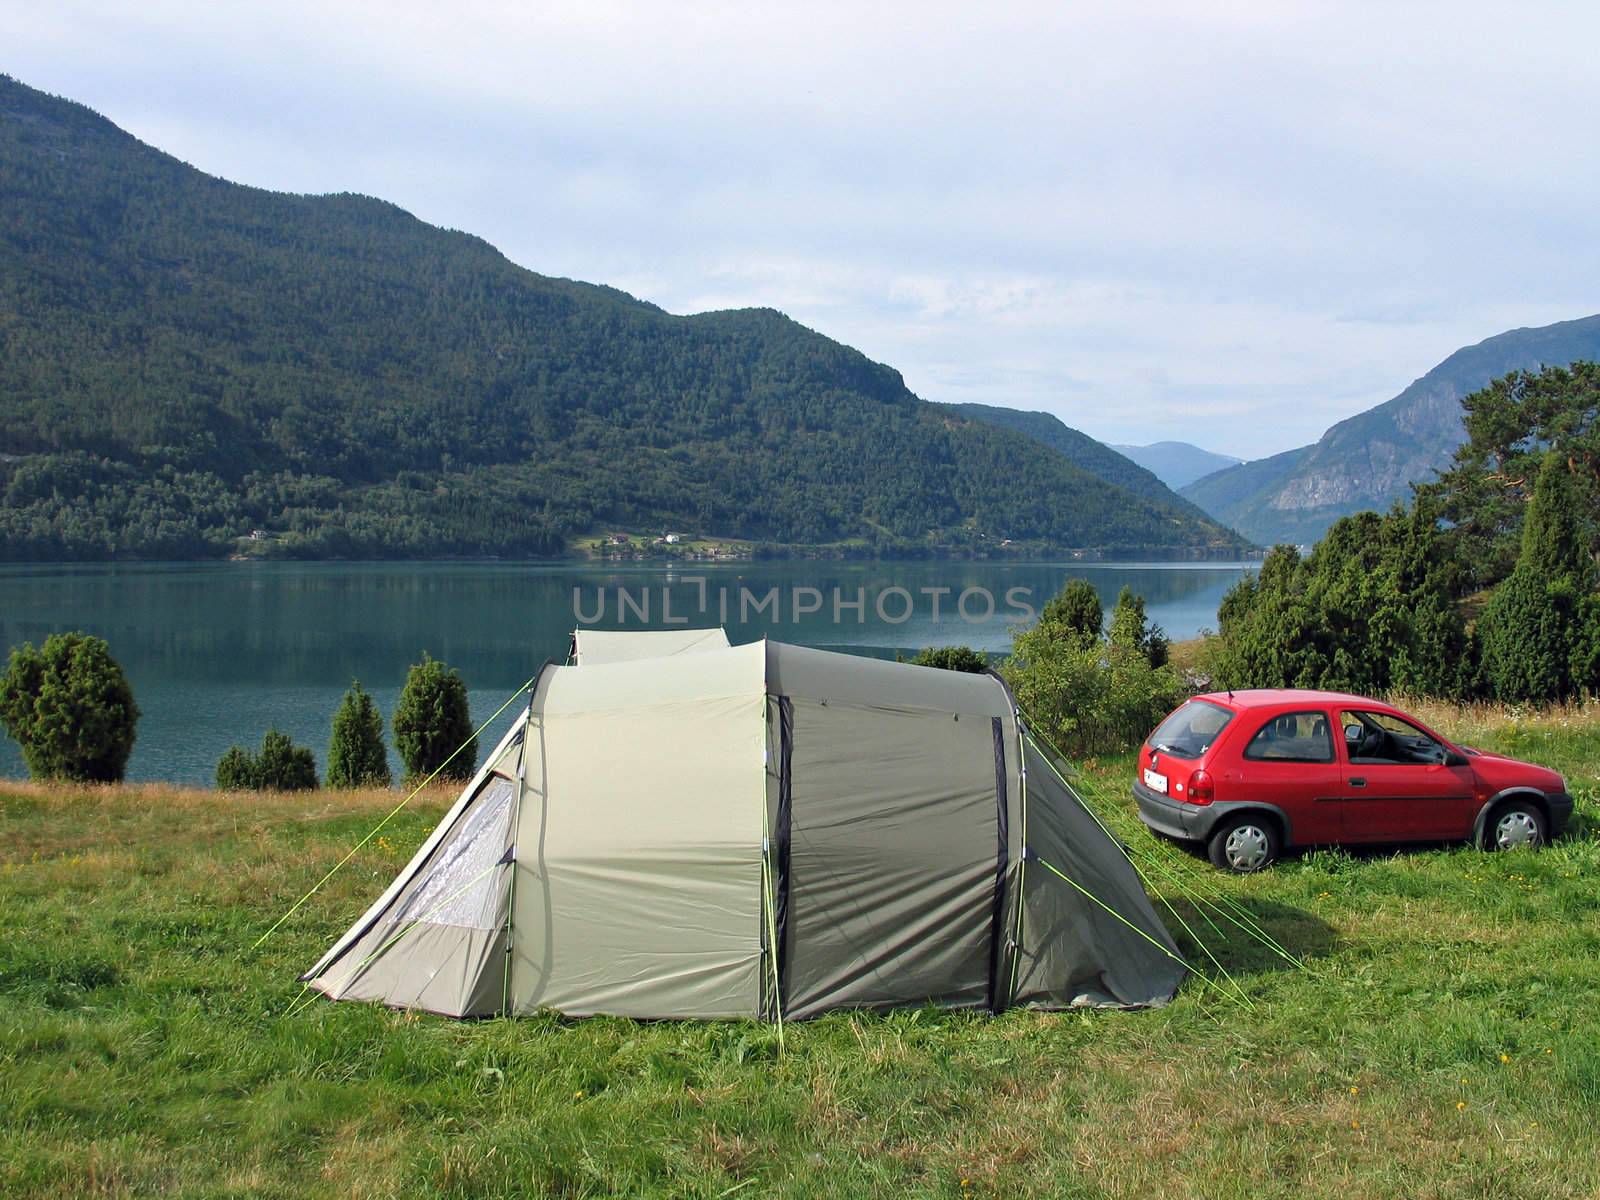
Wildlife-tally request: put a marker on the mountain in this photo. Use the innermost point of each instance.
(1095, 457)
(1177, 463)
(1371, 460)
(184, 360)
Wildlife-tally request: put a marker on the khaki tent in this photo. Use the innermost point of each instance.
(760, 830)
(596, 647)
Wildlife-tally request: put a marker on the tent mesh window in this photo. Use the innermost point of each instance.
(461, 887)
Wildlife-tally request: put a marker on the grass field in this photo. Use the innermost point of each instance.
(1443, 1038)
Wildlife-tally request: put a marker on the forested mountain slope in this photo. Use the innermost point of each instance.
(183, 359)
(1093, 456)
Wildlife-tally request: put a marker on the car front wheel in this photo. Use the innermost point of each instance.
(1513, 826)
(1245, 844)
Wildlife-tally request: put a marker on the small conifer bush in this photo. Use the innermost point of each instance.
(69, 707)
(356, 755)
(432, 723)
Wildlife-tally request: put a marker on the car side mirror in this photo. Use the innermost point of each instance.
(1352, 733)
(1454, 758)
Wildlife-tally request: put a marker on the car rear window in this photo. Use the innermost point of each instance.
(1293, 737)
(1189, 732)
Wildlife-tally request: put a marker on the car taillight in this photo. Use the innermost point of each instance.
(1200, 789)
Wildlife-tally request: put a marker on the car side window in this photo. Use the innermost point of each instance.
(1293, 737)
(1375, 737)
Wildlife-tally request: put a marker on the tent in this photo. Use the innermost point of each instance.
(766, 831)
(596, 647)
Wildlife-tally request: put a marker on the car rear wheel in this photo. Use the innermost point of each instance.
(1517, 824)
(1245, 844)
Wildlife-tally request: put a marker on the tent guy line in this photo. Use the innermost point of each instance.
(392, 814)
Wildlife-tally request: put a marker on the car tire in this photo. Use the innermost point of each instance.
(1245, 844)
(1516, 824)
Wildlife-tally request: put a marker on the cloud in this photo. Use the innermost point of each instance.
(1233, 223)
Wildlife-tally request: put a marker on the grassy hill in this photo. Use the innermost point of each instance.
(185, 360)
(1371, 460)
(1442, 1040)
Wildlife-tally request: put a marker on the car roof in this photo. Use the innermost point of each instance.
(1286, 697)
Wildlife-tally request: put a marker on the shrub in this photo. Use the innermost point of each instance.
(1585, 664)
(1086, 694)
(236, 771)
(1536, 633)
(356, 757)
(952, 658)
(1371, 609)
(1075, 612)
(1131, 630)
(69, 707)
(432, 721)
(279, 766)
(1526, 639)
(1089, 698)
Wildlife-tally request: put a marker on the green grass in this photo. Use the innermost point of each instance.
(1442, 1040)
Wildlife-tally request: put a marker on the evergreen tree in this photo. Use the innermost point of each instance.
(1525, 644)
(1075, 613)
(1436, 656)
(432, 721)
(1513, 426)
(1584, 664)
(236, 771)
(1536, 630)
(1552, 531)
(281, 766)
(69, 707)
(356, 756)
(1133, 632)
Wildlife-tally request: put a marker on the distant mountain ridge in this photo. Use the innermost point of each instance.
(184, 360)
(1371, 460)
(1176, 463)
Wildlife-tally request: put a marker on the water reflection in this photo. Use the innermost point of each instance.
(218, 652)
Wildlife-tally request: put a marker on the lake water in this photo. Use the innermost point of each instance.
(219, 652)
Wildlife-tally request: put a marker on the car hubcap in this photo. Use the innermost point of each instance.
(1247, 848)
(1516, 829)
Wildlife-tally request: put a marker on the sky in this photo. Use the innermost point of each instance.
(1231, 223)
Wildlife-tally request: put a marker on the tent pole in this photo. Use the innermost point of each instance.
(767, 907)
(1022, 865)
(516, 833)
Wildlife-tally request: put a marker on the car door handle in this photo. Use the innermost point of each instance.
(1358, 782)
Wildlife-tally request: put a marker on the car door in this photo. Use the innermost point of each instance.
(1289, 762)
(1397, 784)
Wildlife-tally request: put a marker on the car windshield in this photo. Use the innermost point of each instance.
(1189, 732)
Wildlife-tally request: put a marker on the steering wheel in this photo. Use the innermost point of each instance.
(1370, 745)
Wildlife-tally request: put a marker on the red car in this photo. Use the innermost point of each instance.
(1251, 773)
